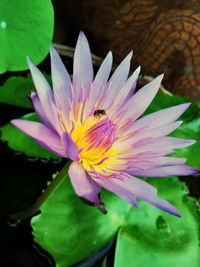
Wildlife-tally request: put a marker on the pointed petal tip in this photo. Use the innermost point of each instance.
(13, 121)
(82, 36)
(130, 54)
(137, 71)
(30, 63)
(110, 55)
(159, 77)
(52, 50)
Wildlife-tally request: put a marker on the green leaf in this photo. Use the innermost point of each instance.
(26, 29)
(71, 230)
(15, 91)
(163, 100)
(19, 141)
(154, 238)
(190, 130)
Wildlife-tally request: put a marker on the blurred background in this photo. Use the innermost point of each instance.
(164, 35)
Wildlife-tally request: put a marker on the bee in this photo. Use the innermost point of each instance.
(99, 113)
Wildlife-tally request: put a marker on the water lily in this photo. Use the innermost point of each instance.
(95, 122)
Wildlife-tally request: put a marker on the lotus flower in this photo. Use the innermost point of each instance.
(96, 123)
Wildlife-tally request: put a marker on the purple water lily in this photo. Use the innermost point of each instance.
(95, 123)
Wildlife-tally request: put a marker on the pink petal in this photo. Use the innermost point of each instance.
(70, 148)
(43, 135)
(45, 95)
(83, 185)
(176, 170)
(130, 188)
(83, 69)
(61, 82)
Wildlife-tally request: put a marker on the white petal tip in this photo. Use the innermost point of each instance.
(138, 69)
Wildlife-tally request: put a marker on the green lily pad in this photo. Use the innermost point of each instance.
(153, 238)
(26, 29)
(71, 231)
(163, 100)
(15, 91)
(19, 141)
(190, 130)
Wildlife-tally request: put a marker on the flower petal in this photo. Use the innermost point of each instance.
(140, 135)
(148, 162)
(39, 109)
(117, 81)
(141, 100)
(83, 69)
(158, 118)
(176, 170)
(130, 188)
(42, 134)
(83, 185)
(125, 90)
(101, 77)
(45, 95)
(61, 81)
(161, 146)
(70, 148)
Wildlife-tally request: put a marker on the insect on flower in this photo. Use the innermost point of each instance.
(96, 123)
(99, 113)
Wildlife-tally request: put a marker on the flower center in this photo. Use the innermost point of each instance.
(97, 140)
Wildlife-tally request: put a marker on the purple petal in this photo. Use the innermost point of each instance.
(61, 81)
(83, 185)
(45, 95)
(152, 133)
(83, 69)
(141, 100)
(117, 80)
(70, 148)
(124, 91)
(130, 188)
(43, 135)
(161, 146)
(149, 162)
(102, 76)
(39, 109)
(159, 118)
(176, 170)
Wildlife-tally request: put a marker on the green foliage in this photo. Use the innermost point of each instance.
(163, 100)
(190, 130)
(70, 230)
(26, 29)
(16, 89)
(19, 141)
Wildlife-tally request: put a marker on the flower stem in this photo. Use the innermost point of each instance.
(49, 190)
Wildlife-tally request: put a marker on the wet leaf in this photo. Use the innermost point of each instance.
(70, 230)
(154, 238)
